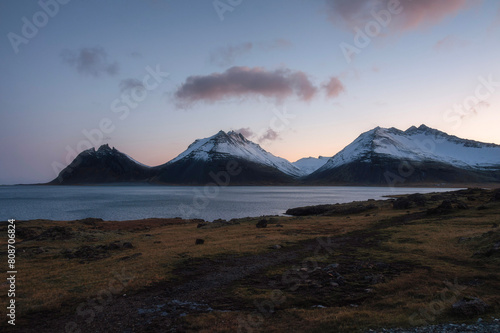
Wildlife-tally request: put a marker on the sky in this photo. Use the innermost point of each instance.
(301, 78)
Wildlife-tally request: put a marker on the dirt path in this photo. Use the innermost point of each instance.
(202, 286)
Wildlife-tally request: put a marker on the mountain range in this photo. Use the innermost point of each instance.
(381, 156)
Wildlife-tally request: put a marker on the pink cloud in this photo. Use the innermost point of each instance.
(414, 13)
(245, 131)
(244, 82)
(333, 87)
(269, 135)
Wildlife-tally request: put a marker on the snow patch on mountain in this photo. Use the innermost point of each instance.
(417, 144)
(233, 144)
(310, 164)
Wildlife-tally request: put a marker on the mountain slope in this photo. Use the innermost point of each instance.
(310, 164)
(384, 156)
(209, 156)
(105, 165)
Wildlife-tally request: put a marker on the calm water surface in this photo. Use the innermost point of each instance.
(138, 202)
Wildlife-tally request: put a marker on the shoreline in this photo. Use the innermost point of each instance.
(490, 185)
(380, 261)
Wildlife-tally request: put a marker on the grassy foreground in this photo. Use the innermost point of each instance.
(354, 267)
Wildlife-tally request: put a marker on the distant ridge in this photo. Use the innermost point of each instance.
(381, 156)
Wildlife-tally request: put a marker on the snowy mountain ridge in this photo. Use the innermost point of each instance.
(417, 144)
(437, 156)
(232, 144)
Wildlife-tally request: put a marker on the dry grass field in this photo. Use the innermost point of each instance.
(390, 263)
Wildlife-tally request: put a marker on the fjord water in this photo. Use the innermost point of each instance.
(139, 202)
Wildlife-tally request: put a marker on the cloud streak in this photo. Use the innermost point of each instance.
(227, 55)
(414, 14)
(241, 82)
(265, 135)
(246, 132)
(90, 61)
(128, 85)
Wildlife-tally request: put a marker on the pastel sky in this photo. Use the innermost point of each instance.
(301, 78)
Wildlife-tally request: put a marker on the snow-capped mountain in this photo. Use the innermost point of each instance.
(205, 157)
(104, 165)
(310, 164)
(417, 155)
(381, 156)
(235, 145)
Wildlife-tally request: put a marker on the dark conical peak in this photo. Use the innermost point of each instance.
(105, 150)
(104, 147)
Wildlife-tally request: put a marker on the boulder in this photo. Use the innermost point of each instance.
(469, 307)
(261, 224)
(402, 203)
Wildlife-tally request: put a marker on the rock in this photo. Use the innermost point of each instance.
(331, 266)
(402, 203)
(418, 199)
(330, 210)
(496, 195)
(461, 205)
(199, 241)
(374, 279)
(88, 253)
(25, 233)
(276, 247)
(201, 225)
(90, 221)
(446, 204)
(469, 307)
(113, 246)
(261, 224)
(437, 197)
(127, 245)
(444, 208)
(56, 233)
